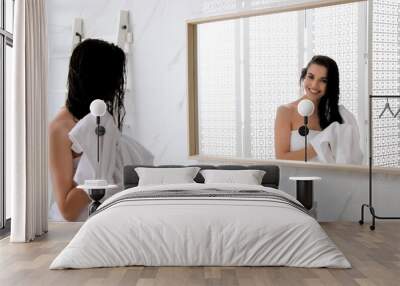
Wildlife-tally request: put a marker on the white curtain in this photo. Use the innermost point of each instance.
(27, 123)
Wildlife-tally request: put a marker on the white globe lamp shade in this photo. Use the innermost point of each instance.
(98, 107)
(305, 107)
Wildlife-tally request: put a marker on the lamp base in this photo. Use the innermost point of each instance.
(100, 130)
(96, 195)
(93, 207)
(303, 130)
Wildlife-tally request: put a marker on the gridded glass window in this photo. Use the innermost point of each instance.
(335, 32)
(214, 6)
(386, 82)
(340, 32)
(217, 106)
(260, 3)
(9, 15)
(273, 78)
(2, 129)
(8, 82)
(6, 42)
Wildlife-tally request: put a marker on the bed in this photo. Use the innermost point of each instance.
(198, 224)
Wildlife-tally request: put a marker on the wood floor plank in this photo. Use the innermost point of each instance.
(212, 272)
(375, 258)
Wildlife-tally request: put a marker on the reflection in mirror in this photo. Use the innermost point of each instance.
(332, 130)
(248, 67)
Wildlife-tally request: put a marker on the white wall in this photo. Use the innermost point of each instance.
(157, 103)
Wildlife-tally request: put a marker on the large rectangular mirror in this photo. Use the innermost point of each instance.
(247, 67)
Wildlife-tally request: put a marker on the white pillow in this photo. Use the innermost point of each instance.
(248, 177)
(165, 176)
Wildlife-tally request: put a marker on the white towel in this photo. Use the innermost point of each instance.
(339, 143)
(116, 150)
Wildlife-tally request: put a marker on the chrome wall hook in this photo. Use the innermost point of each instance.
(77, 32)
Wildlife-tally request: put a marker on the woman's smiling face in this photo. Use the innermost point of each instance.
(315, 82)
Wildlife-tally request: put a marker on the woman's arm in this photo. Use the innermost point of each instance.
(282, 138)
(70, 200)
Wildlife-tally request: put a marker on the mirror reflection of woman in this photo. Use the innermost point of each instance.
(96, 71)
(320, 82)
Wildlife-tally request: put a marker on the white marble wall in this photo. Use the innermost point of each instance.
(157, 102)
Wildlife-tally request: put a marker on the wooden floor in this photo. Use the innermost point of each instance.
(375, 257)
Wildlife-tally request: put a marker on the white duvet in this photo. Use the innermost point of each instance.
(200, 231)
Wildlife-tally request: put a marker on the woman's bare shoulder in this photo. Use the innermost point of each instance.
(62, 124)
(288, 108)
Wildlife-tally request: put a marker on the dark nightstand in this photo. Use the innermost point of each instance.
(304, 190)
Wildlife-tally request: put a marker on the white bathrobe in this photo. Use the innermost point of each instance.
(339, 143)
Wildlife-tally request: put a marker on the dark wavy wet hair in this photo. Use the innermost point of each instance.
(96, 71)
(328, 107)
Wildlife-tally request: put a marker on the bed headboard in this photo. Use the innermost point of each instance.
(270, 179)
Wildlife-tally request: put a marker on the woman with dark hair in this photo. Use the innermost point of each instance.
(320, 82)
(96, 71)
